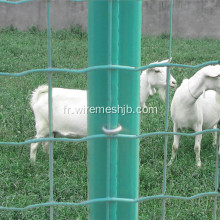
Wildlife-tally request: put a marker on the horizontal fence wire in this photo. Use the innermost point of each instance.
(51, 139)
(109, 67)
(25, 1)
(101, 136)
(104, 200)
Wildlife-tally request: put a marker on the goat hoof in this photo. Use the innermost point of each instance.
(199, 165)
(169, 164)
(32, 162)
(214, 144)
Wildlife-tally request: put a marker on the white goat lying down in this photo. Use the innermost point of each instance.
(191, 109)
(66, 121)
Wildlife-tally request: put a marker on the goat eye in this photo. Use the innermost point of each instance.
(157, 71)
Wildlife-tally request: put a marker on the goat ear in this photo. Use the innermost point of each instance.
(154, 62)
(211, 71)
(165, 61)
(213, 74)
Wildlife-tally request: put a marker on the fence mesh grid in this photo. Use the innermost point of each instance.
(165, 133)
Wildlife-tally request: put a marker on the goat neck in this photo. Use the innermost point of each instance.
(196, 85)
(145, 88)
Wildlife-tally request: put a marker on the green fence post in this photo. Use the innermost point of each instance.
(97, 97)
(129, 96)
(122, 45)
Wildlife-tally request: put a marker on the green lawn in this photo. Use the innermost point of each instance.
(22, 184)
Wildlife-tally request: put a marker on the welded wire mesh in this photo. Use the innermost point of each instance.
(52, 204)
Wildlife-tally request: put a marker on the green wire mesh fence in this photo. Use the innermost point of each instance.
(165, 133)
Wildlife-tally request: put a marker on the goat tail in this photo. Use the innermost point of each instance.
(37, 92)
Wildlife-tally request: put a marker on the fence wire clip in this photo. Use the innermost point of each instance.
(112, 131)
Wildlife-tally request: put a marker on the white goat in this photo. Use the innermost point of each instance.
(70, 106)
(152, 79)
(191, 109)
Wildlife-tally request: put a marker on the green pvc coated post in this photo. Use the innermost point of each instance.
(129, 96)
(102, 92)
(113, 164)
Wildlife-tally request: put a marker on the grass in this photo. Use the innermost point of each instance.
(22, 184)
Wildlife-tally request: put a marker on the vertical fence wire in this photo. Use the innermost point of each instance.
(166, 117)
(50, 106)
(216, 178)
